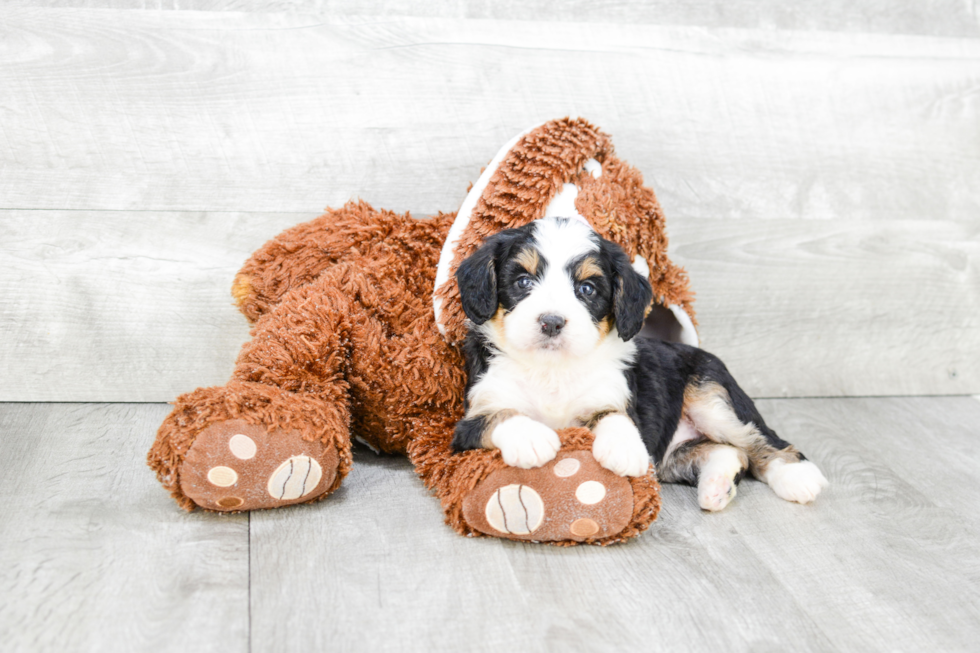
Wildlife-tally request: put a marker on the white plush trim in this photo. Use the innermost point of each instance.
(562, 205)
(594, 168)
(367, 444)
(641, 266)
(689, 335)
(463, 219)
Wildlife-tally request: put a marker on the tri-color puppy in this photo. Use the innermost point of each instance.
(555, 309)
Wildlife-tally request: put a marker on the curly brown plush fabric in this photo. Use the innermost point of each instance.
(345, 341)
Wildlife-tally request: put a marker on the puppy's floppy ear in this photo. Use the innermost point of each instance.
(632, 293)
(477, 277)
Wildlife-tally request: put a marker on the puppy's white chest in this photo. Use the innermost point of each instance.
(556, 403)
(556, 395)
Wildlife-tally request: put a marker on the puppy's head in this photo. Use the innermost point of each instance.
(553, 285)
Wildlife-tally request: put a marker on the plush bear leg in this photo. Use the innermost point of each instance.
(570, 500)
(279, 432)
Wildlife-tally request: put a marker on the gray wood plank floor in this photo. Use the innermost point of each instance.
(94, 556)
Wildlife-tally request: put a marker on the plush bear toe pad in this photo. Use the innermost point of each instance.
(234, 465)
(570, 498)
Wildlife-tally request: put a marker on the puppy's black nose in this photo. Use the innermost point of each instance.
(551, 324)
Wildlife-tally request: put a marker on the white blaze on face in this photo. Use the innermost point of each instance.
(559, 242)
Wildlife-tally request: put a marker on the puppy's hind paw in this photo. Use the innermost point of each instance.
(800, 482)
(715, 492)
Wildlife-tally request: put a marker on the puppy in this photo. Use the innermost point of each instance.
(555, 311)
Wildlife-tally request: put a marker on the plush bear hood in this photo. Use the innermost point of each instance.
(566, 168)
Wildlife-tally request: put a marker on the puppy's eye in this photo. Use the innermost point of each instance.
(586, 288)
(523, 282)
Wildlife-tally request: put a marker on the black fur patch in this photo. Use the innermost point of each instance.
(469, 433)
(632, 293)
(478, 275)
(657, 380)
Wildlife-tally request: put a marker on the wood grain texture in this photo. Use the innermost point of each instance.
(108, 306)
(883, 560)
(94, 556)
(176, 110)
(838, 308)
(930, 17)
(378, 560)
(898, 518)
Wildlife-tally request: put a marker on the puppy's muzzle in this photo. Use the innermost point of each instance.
(551, 325)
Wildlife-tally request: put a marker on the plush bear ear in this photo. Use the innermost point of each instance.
(632, 293)
(477, 276)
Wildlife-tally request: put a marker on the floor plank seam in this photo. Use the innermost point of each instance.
(249, 553)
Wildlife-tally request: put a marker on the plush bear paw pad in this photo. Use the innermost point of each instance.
(570, 498)
(234, 465)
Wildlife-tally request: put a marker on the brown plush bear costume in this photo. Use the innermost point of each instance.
(356, 319)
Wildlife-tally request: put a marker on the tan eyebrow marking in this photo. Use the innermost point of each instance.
(529, 260)
(589, 267)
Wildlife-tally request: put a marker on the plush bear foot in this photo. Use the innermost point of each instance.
(234, 466)
(247, 445)
(572, 498)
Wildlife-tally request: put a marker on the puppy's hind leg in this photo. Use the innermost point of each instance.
(722, 411)
(715, 468)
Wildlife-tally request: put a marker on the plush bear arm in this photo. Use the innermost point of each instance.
(569, 500)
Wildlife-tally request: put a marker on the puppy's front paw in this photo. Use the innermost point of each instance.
(800, 482)
(525, 443)
(619, 448)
